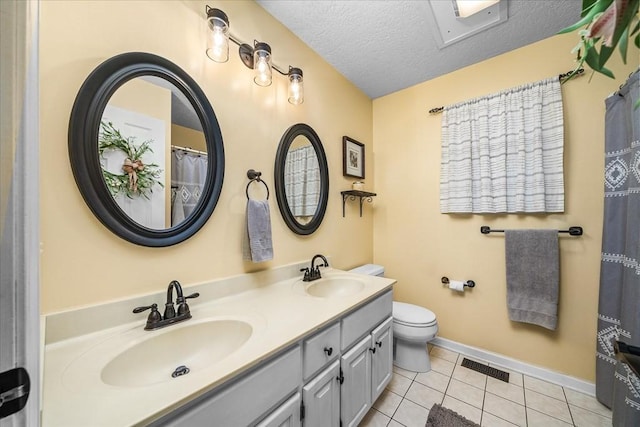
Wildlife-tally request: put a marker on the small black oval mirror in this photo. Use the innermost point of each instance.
(301, 179)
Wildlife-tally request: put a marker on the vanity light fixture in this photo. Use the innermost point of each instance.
(257, 57)
(466, 8)
(262, 63)
(218, 43)
(296, 89)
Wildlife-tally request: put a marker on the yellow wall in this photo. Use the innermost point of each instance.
(82, 262)
(418, 245)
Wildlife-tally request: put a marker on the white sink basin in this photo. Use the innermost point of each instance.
(196, 346)
(331, 287)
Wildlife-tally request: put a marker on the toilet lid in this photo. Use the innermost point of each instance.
(409, 314)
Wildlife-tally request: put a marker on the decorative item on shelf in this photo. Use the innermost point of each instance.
(357, 185)
(139, 178)
(258, 57)
(352, 157)
(354, 195)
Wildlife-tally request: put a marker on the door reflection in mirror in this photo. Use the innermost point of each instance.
(150, 110)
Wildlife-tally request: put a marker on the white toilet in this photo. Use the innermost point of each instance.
(413, 327)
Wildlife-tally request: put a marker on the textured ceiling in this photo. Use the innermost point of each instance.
(383, 46)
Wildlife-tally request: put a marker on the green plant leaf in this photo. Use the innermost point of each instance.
(624, 40)
(597, 7)
(621, 28)
(637, 41)
(637, 104)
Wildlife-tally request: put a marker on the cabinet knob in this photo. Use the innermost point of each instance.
(379, 344)
(328, 350)
(372, 350)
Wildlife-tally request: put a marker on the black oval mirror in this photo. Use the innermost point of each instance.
(301, 179)
(134, 120)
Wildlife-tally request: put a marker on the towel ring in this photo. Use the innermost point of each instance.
(255, 177)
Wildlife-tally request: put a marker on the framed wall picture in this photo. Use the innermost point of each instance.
(352, 157)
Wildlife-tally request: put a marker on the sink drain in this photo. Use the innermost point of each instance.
(180, 371)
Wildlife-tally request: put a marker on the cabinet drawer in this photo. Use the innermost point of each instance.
(321, 349)
(359, 323)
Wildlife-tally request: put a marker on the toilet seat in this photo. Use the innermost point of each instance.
(412, 315)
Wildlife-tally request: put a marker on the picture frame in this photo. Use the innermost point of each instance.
(352, 158)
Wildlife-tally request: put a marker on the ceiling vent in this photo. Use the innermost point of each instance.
(450, 26)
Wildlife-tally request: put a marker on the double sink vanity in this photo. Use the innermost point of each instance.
(262, 348)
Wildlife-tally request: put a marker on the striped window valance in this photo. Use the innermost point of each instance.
(504, 152)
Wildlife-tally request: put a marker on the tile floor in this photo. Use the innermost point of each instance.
(524, 401)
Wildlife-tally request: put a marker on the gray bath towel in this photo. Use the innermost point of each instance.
(257, 245)
(532, 276)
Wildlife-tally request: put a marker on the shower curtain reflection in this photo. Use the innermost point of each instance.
(302, 182)
(188, 176)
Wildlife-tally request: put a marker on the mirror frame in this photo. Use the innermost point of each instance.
(84, 126)
(281, 157)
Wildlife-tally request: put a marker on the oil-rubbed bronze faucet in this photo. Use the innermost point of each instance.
(156, 321)
(314, 273)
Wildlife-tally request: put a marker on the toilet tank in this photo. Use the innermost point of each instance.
(369, 269)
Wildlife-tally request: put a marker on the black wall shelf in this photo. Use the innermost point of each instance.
(354, 195)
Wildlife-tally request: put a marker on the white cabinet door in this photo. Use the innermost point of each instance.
(382, 358)
(286, 415)
(355, 395)
(321, 398)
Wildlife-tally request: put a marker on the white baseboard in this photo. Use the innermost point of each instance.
(517, 365)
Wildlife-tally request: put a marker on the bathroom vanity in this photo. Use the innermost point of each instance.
(262, 349)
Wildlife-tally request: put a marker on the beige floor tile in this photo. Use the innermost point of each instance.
(505, 409)
(538, 419)
(388, 403)
(399, 384)
(423, 395)
(443, 353)
(585, 401)
(470, 376)
(466, 393)
(443, 366)
(409, 374)
(547, 405)
(469, 412)
(585, 418)
(506, 390)
(374, 419)
(434, 379)
(544, 387)
(394, 423)
(411, 414)
(490, 420)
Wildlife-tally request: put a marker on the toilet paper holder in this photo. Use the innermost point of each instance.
(468, 283)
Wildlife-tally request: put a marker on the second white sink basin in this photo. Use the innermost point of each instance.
(194, 346)
(334, 287)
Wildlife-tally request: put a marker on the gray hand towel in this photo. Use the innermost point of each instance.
(532, 276)
(257, 245)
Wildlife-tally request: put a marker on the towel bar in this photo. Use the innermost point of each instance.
(254, 176)
(573, 231)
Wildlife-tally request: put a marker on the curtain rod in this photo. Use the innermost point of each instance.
(562, 76)
(188, 150)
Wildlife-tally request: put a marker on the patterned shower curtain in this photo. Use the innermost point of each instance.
(302, 181)
(188, 176)
(619, 307)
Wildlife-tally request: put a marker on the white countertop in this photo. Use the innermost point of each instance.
(280, 315)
